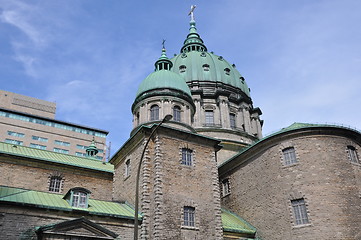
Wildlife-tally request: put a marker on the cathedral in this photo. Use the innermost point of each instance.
(195, 166)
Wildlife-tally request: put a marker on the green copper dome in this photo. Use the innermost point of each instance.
(163, 79)
(163, 82)
(194, 63)
(205, 66)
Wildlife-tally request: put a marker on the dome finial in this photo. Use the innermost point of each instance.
(191, 13)
(92, 150)
(193, 41)
(163, 62)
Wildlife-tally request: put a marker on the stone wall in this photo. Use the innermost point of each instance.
(36, 176)
(19, 222)
(169, 186)
(166, 186)
(262, 189)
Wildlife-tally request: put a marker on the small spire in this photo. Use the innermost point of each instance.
(163, 62)
(92, 150)
(193, 41)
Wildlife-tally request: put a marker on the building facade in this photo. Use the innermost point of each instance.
(31, 122)
(207, 173)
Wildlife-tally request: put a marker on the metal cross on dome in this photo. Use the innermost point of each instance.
(163, 43)
(191, 12)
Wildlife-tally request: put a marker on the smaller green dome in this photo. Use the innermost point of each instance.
(163, 79)
(163, 82)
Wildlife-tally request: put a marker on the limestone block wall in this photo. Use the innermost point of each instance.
(262, 189)
(36, 176)
(166, 186)
(169, 186)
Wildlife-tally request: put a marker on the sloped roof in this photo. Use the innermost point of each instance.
(55, 157)
(54, 201)
(233, 223)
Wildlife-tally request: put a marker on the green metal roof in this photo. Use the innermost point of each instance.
(216, 70)
(56, 202)
(233, 223)
(163, 79)
(49, 156)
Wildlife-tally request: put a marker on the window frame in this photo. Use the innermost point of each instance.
(127, 169)
(209, 117)
(299, 210)
(289, 156)
(14, 142)
(352, 154)
(55, 184)
(37, 146)
(16, 134)
(177, 113)
(154, 112)
(226, 187)
(232, 120)
(187, 157)
(189, 218)
(79, 199)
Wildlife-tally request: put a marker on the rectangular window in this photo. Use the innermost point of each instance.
(352, 154)
(226, 187)
(177, 113)
(209, 117)
(79, 154)
(12, 141)
(188, 216)
(38, 146)
(79, 200)
(40, 139)
(16, 134)
(61, 143)
(187, 157)
(289, 156)
(55, 184)
(299, 211)
(51, 124)
(81, 146)
(232, 119)
(59, 150)
(154, 113)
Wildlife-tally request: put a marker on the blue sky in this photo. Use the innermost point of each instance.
(301, 59)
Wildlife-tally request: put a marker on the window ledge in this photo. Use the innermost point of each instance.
(226, 195)
(356, 164)
(290, 165)
(302, 225)
(190, 228)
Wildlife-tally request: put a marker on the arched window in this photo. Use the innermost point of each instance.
(227, 71)
(154, 113)
(177, 113)
(55, 184)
